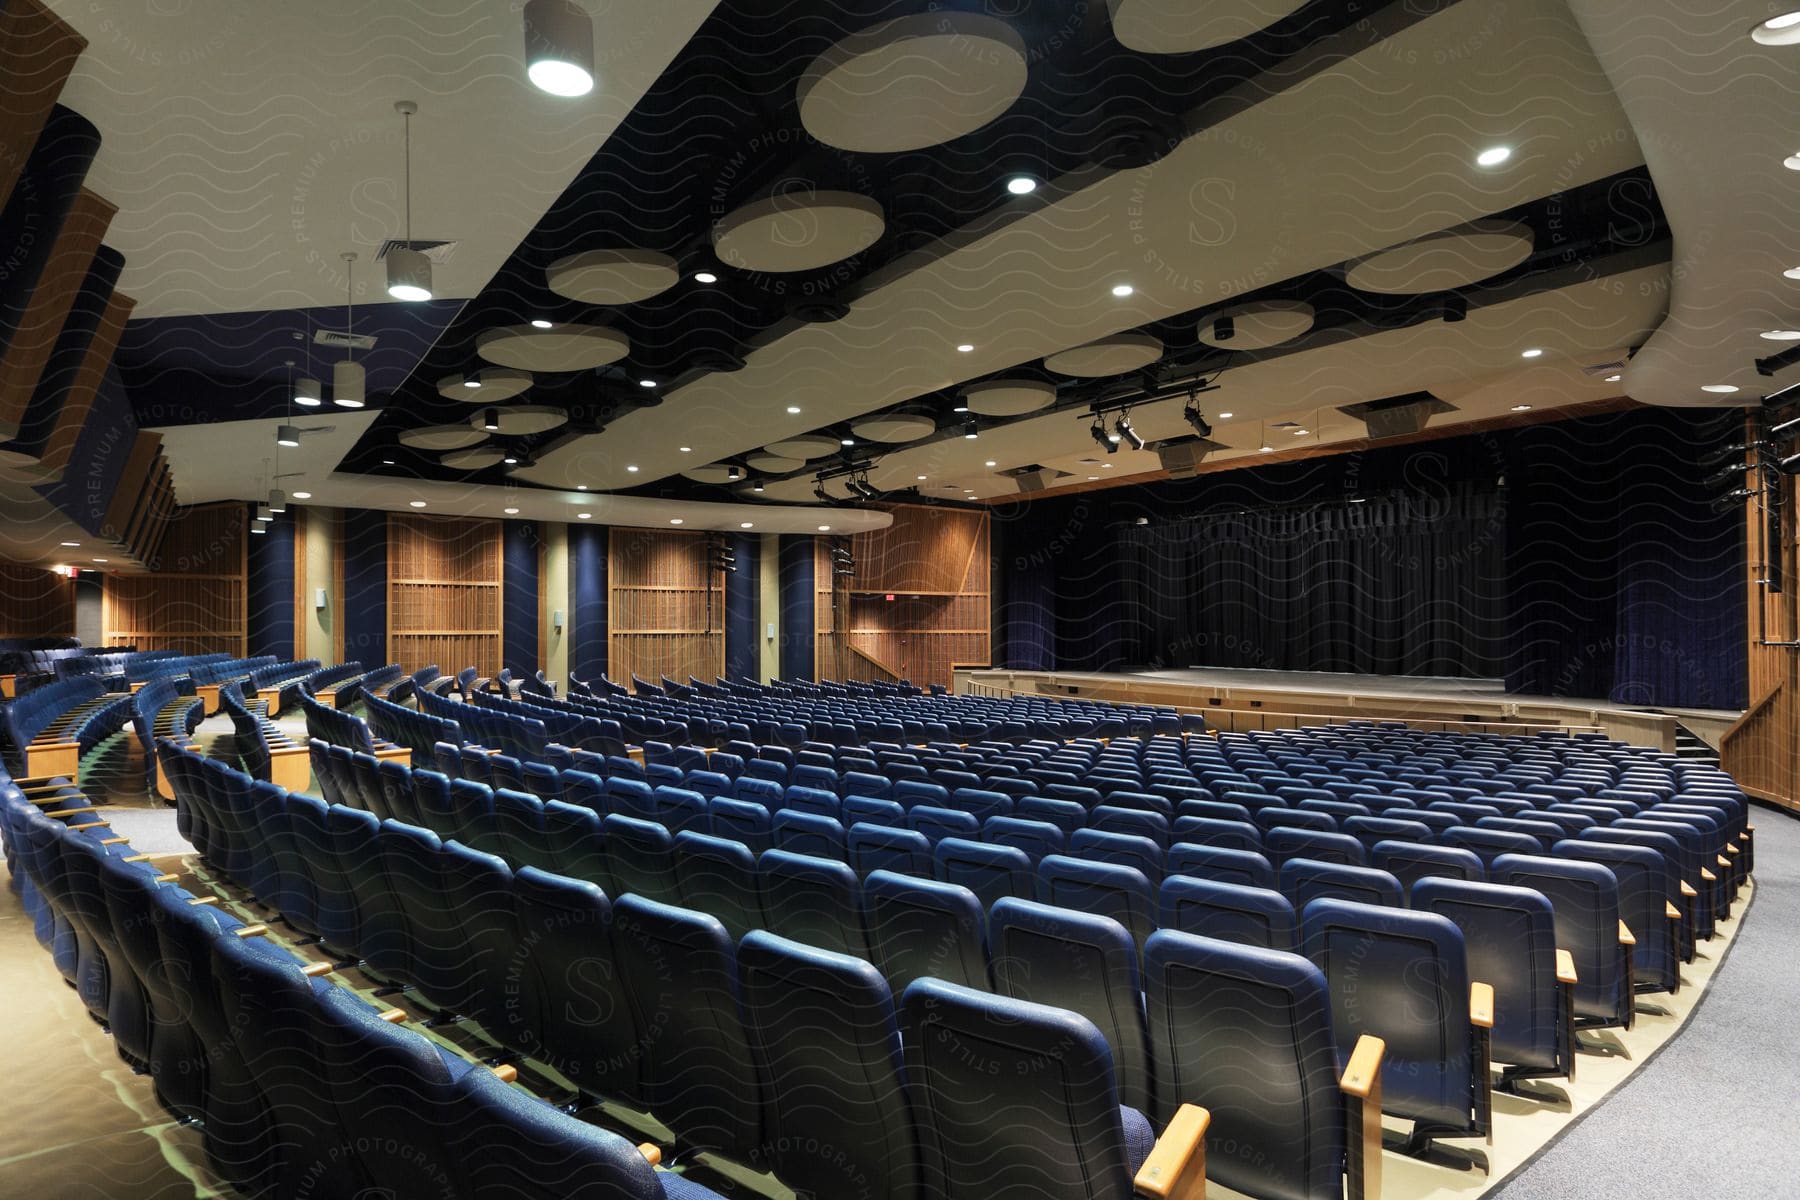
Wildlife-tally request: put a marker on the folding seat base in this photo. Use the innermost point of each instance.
(1421, 1144)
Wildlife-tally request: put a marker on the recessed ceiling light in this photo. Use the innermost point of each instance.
(1301, 432)
(100, 560)
(511, 512)
(686, 449)
(1122, 290)
(510, 461)
(471, 383)
(1614, 378)
(303, 495)
(1783, 30)
(71, 543)
(646, 383)
(539, 323)
(705, 277)
(416, 503)
(1719, 389)
(746, 524)
(1225, 416)
(582, 487)
(793, 410)
(387, 462)
(1265, 449)
(964, 347)
(1534, 352)
(824, 529)
(1782, 335)
(1092, 478)
(1792, 272)
(632, 467)
(1521, 408)
(1021, 185)
(921, 480)
(585, 516)
(992, 463)
(1791, 162)
(1106, 466)
(846, 441)
(961, 408)
(674, 520)
(1493, 156)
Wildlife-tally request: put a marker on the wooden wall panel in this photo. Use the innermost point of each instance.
(444, 603)
(25, 356)
(935, 563)
(37, 602)
(194, 599)
(37, 52)
(60, 444)
(658, 616)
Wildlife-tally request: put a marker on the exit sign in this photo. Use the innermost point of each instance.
(889, 596)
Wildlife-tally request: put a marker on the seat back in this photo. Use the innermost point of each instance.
(640, 858)
(822, 1034)
(1304, 880)
(1085, 963)
(1249, 916)
(920, 928)
(1225, 865)
(1585, 897)
(1410, 862)
(718, 876)
(504, 1142)
(1104, 889)
(991, 872)
(1246, 1034)
(1006, 1090)
(812, 900)
(1646, 880)
(873, 847)
(1509, 934)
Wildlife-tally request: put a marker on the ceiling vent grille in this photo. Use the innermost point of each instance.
(343, 341)
(439, 252)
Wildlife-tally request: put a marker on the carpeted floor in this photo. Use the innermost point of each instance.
(1713, 1113)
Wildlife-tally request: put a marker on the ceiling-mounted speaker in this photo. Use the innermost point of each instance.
(1181, 457)
(1034, 478)
(1397, 416)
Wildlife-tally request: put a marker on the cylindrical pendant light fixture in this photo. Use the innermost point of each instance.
(348, 383)
(263, 515)
(408, 270)
(308, 392)
(559, 47)
(287, 435)
(277, 501)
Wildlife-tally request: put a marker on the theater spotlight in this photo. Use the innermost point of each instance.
(824, 497)
(1736, 468)
(1224, 329)
(1786, 429)
(1098, 433)
(1125, 431)
(1455, 308)
(1198, 420)
(1788, 466)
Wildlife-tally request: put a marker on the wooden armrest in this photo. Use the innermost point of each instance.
(652, 1153)
(505, 1073)
(165, 879)
(72, 812)
(250, 931)
(136, 858)
(1481, 1004)
(1565, 967)
(1722, 860)
(1671, 912)
(1626, 937)
(314, 970)
(92, 825)
(1364, 1067)
(114, 841)
(203, 900)
(1687, 889)
(1731, 849)
(1176, 1168)
(1708, 876)
(393, 1016)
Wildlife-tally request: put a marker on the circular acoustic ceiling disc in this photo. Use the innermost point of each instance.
(803, 447)
(476, 459)
(1437, 262)
(1259, 324)
(443, 437)
(621, 276)
(524, 419)
(912, 82)
(1182, 26)
(799, 230)
(898, 427)
(558, 349)
(1109, 356)
(712, 474)
(775, 464)
(491, 384)
(1008, 397)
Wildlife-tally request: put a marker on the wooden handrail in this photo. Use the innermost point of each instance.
(859, 652)
(1761, 702)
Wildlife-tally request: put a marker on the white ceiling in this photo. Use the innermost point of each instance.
(1365, 153)
(1474, 364)
(247, 144)
(1713, 111)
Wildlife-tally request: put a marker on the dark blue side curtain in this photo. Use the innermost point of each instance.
(1576, 558)
(521, 544)
(796, 575)
(269, 598)
(365, 588)
(588, 598)
(743, 609)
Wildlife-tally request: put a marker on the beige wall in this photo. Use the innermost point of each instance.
(318, 626)
(554, 581)
(768, 570)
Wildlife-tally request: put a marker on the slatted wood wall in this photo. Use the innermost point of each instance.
(194, 599)
(657, 617)
(1762, 751)
(444, 593)
(37, 602)
(935, 562)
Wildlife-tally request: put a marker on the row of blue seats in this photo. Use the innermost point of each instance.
(59, 722)
(298, 1087)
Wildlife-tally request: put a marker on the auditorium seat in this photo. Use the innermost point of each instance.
(1015, 1101)
(920, 928)
(1585, 897)
(640, 859)
(718, 876)
(1247, 1034)
(1410, 862)
(812, 900)
(478, 895)
(1104, 889)
(740, 821)
(1284, 842)
(1510, 937)
(872, 847)
(991, 872)
(1403, 977)
(1304, 880)
(1250, 916)
(1125, 850)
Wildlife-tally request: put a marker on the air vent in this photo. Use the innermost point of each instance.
(438, 252)
(1601, 370)
(342, 340)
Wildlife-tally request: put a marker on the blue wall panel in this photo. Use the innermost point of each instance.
(796, 574)
(365, 589)
(587, 585)
(743, 609)
(270, 594)
(521, 542)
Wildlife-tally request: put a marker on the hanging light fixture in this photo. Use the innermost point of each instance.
(408, 270)
(490, 419)
(307, 392)
(263, 515)
(277, 500)
(559, 47)
(287, 435)
(348, 381)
